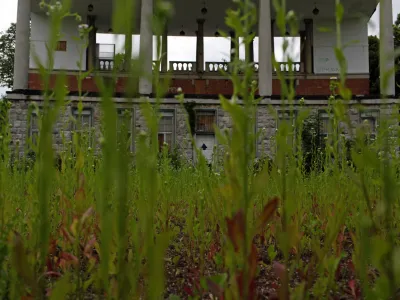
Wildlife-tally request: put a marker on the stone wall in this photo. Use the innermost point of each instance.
(265, 122)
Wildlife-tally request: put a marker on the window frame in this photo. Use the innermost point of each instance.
(205, 110)
(85, 111)
(325, 136)
(61, 46)
(376, 116)
(278, 121)
(167, 112)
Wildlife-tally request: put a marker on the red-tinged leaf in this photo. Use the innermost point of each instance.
(21, 261)
(352, 286)
(68, 257)
(240, 283)
(49, 264)
(213, 250)
(188, 291)
(86, 215)
(350, 266)
(48, 292)
(236, 229)
(268, 212)
(52, 246)
(252, 261)
(74, 226)
(272, 229)
(52, 274)
(90, 250)
(303, 218)
(215, 289)
(251, 288)
(90, 245)
(81, 179)
(67, 235)
(324, 224)
(279, 270)
(80, 195)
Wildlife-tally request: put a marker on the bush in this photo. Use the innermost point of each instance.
(312, 144)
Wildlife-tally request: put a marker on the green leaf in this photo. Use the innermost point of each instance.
(62, 288)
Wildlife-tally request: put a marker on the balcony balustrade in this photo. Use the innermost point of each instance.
(184, 67)
(105, 64)
(295, 67)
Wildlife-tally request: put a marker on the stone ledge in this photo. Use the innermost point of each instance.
(264, 101)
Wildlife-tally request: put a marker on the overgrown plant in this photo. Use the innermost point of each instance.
(312, 221)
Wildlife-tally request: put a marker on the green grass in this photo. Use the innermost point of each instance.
(111, 225)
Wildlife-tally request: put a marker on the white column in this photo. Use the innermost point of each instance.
(386, 47)
(146, 47)
(308, 46)
(164, 50)
(22, 45)
(265, 49)
(200, 46)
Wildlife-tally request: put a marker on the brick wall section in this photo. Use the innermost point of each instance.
(305, 87)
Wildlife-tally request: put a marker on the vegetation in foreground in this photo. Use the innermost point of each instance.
(314, 222)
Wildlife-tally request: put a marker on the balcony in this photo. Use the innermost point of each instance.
(189, 67)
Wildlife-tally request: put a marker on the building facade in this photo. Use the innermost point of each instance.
(201, 81)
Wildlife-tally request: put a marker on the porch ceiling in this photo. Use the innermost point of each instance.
(187, 11)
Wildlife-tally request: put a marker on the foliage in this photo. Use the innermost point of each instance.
(396, 37)
(5, 106)
(312, 144)
(7, 47)
(373, 47)
(111, 225)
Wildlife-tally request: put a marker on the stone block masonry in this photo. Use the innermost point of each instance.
(265, 121)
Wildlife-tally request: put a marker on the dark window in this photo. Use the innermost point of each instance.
(166, 128)
(61, 46)
(205, 121)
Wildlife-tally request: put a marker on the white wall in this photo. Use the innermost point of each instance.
(69, 32)
(354, 36)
